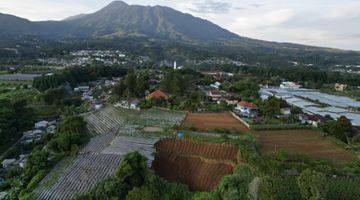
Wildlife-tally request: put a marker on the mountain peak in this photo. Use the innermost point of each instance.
(117, 4)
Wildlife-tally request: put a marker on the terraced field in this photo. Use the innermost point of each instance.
(199, 165)
(115, 133)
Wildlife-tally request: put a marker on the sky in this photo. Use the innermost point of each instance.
(328, 23)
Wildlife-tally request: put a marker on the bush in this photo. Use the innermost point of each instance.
(343, 188)
(277, 188)
(236, 185)
(312, 185)
(133, 169)
(142, 193)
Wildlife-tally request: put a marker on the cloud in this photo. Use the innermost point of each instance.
(209, 6)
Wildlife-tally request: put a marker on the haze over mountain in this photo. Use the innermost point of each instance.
(158, 22)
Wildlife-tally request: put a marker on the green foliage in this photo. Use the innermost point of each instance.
(203, 196)
(179, 82)
(236, 185)
(246, 88)
(71, 133)
(54, 96)
(312, 185)
(37, 161)
(271, 106)
(277, 188)
(15, 117)
(76, 75)
(142, 193)
(131, 86)
(132, 170)
(343, 188)
(353, 167)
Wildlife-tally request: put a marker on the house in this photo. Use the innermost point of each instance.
(82, 89)
(22, 160)
(231, 99)
(289, 85)
(313, 120)
(134, 104)
(3, 195)
(216, 85)
(246, 109)
(158, 94)
(215, 95)
(8, 163)
(98, 104)
(51, 129)
(340, 87)
(286, 110)
(41, 124)
(31, 136)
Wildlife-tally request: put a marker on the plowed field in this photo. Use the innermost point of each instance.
(211, 121)
(303, 142)
(199, 165)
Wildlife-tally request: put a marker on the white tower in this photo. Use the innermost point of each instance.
(175, 65)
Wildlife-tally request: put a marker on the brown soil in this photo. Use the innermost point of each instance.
(303, 142)
(199, 165)
(211, 121)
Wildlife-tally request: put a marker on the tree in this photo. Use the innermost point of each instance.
(132, 170)
(312, 185)
(142, 193)
(342, 129)
(271, 106)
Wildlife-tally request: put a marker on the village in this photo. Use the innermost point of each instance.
(208, 106)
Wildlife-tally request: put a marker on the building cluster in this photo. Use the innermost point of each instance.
(88, 57)
(97, 92)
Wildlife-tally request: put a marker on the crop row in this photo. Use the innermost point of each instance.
(81, 176)
(209, 150)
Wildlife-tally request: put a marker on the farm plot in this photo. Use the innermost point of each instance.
(303, 142)
(96, 162)
(130, 121)
(87, 170)
(199, 165)
(104, 121)
(211, 121)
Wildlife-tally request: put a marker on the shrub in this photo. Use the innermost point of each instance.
(312, 185)
(277, 188)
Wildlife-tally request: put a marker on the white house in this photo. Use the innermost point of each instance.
(41, 124)
(289, 85)
(8, 163)
(216, 85)
(134, 104)
(82, 89)
(22, 160)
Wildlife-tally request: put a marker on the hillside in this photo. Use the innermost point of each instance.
(120, 20)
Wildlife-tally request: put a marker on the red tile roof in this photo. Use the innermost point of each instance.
(247, 104)
(159, 94)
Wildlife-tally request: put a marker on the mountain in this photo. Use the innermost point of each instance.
(120, 20)
(74, 17)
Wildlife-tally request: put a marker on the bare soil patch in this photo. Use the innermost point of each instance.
(303, 142)
(211, 121)
(152, 129)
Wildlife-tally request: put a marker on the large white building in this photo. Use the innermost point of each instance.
(289, 85)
